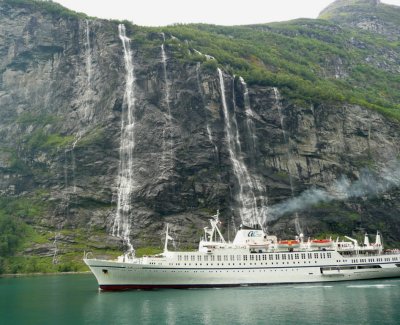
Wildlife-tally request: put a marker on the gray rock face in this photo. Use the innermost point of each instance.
(61, 101)
(369, 15)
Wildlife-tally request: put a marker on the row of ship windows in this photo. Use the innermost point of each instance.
(361, 260)
(364, 260)
(217, 271)
(257, 257)
(229, 264)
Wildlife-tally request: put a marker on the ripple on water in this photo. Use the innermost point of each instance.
(380, 286)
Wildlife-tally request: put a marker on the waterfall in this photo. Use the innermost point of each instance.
(126, 181)
(246, 198)
(88, 54)
(210, 137)
(286, 139)
(164, 62)
(251, 131)
(249, 115)
(55, 259)
(209, 132)
(167, 132)
(88, 63)
(77, 138)
(69, 167)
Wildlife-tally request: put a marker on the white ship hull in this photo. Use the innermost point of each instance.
(122, 276)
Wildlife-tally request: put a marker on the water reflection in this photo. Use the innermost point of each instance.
(75, 300)
(309, 304)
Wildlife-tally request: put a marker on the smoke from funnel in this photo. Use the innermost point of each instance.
(369, 184)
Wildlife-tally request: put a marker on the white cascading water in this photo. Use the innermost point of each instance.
(210, 137)
(168, 155)
(288, 153)
(126, 181)
(209, 132)
(249, 116)
(88, 54)
(257, 183)
(248, 210)
(70, 151)
(55, 259)
(88, 95)
(77, 138)
(198, 79)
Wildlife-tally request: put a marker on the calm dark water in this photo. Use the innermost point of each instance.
(74, 299)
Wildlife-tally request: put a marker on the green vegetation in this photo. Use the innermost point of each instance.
(299, 57)
(47, 6)
(38, 264)
(348, 10)
(142, 251)
(15, 213)
(95, 136)
(12, 231)
(42, 140)
(26, 208)
(29, 118)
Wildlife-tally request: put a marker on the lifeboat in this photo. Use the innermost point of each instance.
(321, 242)
(288, 243)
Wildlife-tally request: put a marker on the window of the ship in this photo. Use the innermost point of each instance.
(238, 257)
(315, 255)
(192, 258)
(303, 256)
(277, 257)
(309, 255)
(225, 258)
(198, 258)
(185, 257)
(271, 257)
(219, 258)
(232, 258)
(212, 258)
(264, 257)
(244, 257)
(284, 256)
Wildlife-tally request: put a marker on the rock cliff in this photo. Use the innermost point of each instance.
(107, 134)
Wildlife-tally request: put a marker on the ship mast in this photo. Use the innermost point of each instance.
(214, 232)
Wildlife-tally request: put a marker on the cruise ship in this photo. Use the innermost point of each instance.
(253, 258)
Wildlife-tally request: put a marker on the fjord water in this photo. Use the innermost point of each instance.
(74, 299)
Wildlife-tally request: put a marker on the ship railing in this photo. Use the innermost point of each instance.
(371, 254)
(391, 252)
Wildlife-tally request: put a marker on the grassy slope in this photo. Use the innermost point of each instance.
(295, 57)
